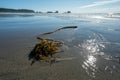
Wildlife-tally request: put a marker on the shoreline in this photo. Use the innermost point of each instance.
(78, 61)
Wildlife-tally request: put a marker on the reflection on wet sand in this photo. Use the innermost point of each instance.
(90, 65)
(96, 61)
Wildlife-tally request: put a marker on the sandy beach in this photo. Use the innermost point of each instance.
(83, 57)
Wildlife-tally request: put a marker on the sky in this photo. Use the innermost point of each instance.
(75, 6)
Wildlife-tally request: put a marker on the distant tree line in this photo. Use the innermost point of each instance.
(52, 12)
(26, 11)
(16, 10)
(57, 12)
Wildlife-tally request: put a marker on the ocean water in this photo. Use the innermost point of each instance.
(96, 40)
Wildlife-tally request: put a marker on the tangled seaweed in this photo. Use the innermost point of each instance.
(46, 48)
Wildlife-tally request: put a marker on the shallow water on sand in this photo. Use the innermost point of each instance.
(91, 52)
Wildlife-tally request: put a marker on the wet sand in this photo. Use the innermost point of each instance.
(78, 61)
(16, 66)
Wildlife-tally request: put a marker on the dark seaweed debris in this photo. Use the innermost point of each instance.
(47, 48)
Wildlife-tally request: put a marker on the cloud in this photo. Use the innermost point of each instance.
(96, 10)
(99, 3)
(106, 10)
